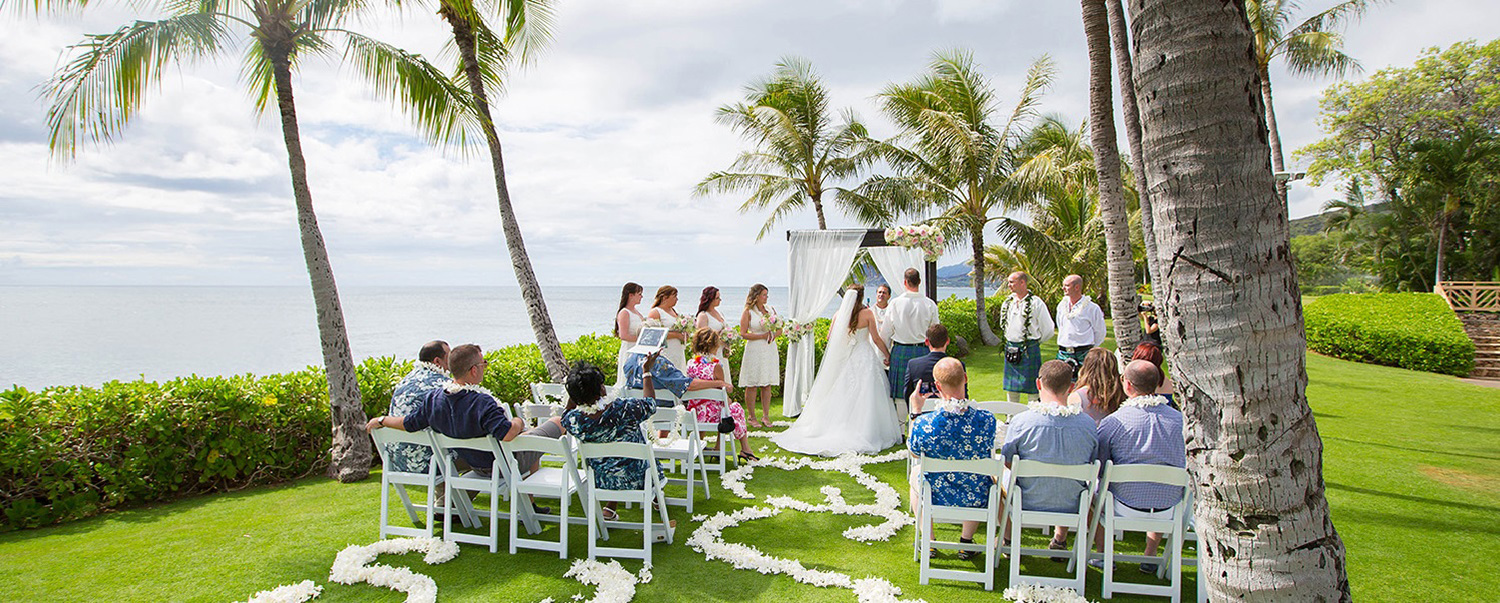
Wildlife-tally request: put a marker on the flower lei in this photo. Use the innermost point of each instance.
(1145, 401)
(1074, 309)
(432, 367)
(954, 405)
(453, 387)
(923, 236)
(1056, 410)
(1025, 315)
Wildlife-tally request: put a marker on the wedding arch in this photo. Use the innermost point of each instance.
(818, 261)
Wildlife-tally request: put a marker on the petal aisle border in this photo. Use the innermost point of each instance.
(356, 564)
(289, 593)
(615, 583)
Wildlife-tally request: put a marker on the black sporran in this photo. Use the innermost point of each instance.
(1014, 354)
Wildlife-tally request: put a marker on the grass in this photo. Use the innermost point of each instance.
(1411, 465)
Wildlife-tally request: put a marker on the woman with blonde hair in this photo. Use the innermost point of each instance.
(760, 369)
(1099, 390)
(664, 314)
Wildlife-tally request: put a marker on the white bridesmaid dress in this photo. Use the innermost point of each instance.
(636, 322)
(675, 351)
(762, 363)
(723, 352)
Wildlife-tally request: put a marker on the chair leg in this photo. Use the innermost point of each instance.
(564, 500)
(515, 516)
(926, 549)
(385, 501)
(989, 552)
(1107, 590)
(596, 519)
(1015, 550)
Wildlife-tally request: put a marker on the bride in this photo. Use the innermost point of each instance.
(849, 408)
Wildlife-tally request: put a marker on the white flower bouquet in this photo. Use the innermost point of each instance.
(922, 236)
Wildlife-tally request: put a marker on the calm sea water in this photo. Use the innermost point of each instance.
(90, 335)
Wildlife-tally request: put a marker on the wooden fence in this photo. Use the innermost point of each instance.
(1470, 296)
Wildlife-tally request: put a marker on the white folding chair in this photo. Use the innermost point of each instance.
(392, 479)
(1190, 534)
(683, 449)
(729, 448)
(1002, 408)
(457, 487)
(1170, 528)
(1077, 521)
(554, 394)
(930, 513)
(561, 483)
(664, 397)
(651, 490)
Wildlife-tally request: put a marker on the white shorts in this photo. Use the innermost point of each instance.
(1123, 510)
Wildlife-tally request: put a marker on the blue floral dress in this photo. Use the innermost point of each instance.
(620, 421)
(956, 436)
(404, 400)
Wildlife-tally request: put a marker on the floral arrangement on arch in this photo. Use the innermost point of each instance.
(795, 330)
(922, 236)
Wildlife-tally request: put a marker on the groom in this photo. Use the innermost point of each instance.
(909, 316)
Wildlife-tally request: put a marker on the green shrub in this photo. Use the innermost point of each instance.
(70, 452)
(957, 313)
(1415, 331)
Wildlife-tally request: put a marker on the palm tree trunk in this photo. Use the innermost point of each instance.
(1442, 243)
(817, 201)
(1278, 163)
(1121, 266)
(351, 446)
(1120, 39)
(1234, 326)
(531, 291)
(986, 334)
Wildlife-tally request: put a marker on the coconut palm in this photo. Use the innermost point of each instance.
(1446, 173)
(1234, 325)
(102, 85)
(1343, 213)
(800, 153)
(951, 158)
(1309, 48)
(1125, 64)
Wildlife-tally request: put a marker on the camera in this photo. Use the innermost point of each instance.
(1145, 308)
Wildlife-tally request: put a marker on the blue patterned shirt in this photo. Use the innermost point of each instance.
(620, 421)
(956, 436)
(663, 374)
(1056, 439)
(407, 396)
(1150, 435)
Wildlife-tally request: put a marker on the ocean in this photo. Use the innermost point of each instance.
(91, 335)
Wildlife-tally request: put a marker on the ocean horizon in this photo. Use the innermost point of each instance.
(88, 335)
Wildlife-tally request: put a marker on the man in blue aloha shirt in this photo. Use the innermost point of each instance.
(430, 374)
(953, 431)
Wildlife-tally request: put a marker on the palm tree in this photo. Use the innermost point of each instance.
(1310, 48)
(1447, 172)
(1123, 300)
(799, 152)
(1234, 327)
(1343, 213)
(951, 158)
(1120, 39)
(483, 58)
(100, 88)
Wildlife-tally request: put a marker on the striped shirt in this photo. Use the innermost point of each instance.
(1150, 435)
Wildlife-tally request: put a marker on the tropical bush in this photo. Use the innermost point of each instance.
(1415, 331)
(69, 452)
(957, 313)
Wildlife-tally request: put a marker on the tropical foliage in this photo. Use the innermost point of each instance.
(1414, 331)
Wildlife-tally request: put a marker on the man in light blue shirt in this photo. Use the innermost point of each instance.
(1145, 430)
(1051, 432)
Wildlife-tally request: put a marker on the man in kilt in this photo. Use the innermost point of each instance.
(908, 317)
(1024, 323)
(1080, 324)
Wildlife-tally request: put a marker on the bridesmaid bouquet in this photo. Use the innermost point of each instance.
(731, 336)
(685, 324)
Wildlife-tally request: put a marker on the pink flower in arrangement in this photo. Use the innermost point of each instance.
(921, 236)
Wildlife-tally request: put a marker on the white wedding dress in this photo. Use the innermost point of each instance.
(849, 408)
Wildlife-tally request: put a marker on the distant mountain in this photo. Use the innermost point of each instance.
(956, 275)
(1308, 225)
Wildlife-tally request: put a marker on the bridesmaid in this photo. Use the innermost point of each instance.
(628, 323)
(663, 314)
(710, 318)
(760, 370)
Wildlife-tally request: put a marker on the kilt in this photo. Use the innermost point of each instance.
(1022, 378)
(1076, 357)
(901, 354)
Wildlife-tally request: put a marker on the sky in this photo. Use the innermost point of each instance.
(605, 136)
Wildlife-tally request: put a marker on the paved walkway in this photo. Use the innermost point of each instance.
(1483, 382)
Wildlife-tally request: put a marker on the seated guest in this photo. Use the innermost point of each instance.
(594, 420)
(1152, 352)
(954, 432)
(665, 374)
(463, 409)
(1145, 430)
(1098, 391)
(1051, 432)
(919, 369)
(430, 374)
(707, 366)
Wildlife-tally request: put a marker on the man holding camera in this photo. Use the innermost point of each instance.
(1080, 324)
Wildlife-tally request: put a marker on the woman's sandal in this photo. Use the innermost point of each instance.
(610, 514)
(748, 456)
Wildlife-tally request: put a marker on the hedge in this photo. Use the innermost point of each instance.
(957, 313)
(1414, 331)
(70, 452)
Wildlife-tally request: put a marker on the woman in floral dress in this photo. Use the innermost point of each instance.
(704, 365)
(594, 420)
(760, 370)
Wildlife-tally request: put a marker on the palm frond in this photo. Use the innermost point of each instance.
(442, 110)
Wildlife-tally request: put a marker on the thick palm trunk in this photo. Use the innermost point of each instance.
(531, 291)
(1278, 162)
(817, 200)
(1234, 317)
(1120, 265)
(1125, 64)
(986, 334)
(351, 446)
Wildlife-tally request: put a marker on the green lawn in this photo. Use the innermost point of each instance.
(1412, 467)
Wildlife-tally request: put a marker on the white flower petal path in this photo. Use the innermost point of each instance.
(289, 593)
(355, 564)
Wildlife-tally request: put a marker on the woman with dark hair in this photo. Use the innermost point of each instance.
(1099, 391)
(628, 323)
(710, 318)
(704, 365)
(592, 419)
(664, 314)
(1147, 350)
(760, 369)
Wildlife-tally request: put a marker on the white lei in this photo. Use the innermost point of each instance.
(1145, 401)
(432, 367)
(954, 405)
(1074, 309)
(1056, 410)
(453, 387)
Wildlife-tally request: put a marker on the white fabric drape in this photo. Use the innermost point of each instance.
(818, 261)
(892, 263)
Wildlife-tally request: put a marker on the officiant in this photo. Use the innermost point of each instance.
(908, 317)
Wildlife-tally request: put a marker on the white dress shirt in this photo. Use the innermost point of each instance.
(1041, 326)
(1079, 324)
(883, 321)
(909, 315)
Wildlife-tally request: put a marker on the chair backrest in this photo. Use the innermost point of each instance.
(555, 394)
(482, 444)
(675, 418)
(986, 466)
(1002, 407)
(386, 437)
(531, 412)
(544, 445)
(1158, 474)
(712, 393)
(626, 450)
(1023, 468)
